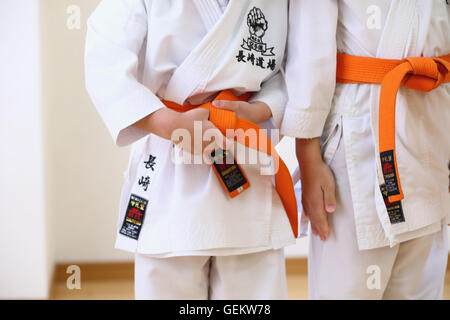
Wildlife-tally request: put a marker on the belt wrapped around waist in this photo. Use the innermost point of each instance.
(227, 120)
(418, 73)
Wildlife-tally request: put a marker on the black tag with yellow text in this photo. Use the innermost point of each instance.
(228, 171)
(389, 172)
(134, 217)
(394, 209)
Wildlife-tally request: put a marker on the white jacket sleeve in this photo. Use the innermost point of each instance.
(310, 66)
(116, 32)
(273, 93)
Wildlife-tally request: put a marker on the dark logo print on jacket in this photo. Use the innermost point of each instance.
(134, 217)
(256, 51)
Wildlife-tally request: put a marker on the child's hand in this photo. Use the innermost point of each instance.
(255, 112)
(318, 186)
(166, 124)
(198, 117)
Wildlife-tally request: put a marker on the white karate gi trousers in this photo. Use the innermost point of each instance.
(255, 276)
(413, 269)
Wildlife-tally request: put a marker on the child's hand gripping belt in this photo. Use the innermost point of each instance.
(227, 120)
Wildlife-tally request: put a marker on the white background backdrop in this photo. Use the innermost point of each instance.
(60, 172)
(25, 249)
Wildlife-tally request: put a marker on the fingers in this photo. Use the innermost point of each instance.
(198, 114)
(199, 136)
(329, 197)
(228, 105)
(319, 224)
(319, 220)
(318, 197)
(256, 111)
(329, 190)
(213, 137)
(313, 207)
(314, 231)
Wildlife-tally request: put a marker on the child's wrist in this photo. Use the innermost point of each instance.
(308, 152)
(175, 121)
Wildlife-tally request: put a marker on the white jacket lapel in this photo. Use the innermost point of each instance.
(210, 12)
(194, 71)
(400, 30)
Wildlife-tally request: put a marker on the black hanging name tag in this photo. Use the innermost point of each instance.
(134, 217)
(229, 172)
(394, 209)
(390, 172)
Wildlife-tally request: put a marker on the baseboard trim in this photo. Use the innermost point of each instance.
(97, 271)
(297, 266)
(125, 270)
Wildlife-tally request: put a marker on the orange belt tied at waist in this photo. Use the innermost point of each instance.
(227, 120)
(420, 73)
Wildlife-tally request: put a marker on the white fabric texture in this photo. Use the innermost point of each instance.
(256, 276)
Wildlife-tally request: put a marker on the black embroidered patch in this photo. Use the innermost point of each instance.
(389, 172)
(134, 217)
(257, 50)
(394, 209)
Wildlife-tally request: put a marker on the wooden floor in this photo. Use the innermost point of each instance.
(124, 289)
(97, 284)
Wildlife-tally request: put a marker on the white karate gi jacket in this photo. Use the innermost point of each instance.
(141, 51)
(319, 107)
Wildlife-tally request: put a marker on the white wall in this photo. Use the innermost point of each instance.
(25, 251)
(84, 167)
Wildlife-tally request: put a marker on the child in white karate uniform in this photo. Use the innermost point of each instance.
(372, 240)
(192, 241)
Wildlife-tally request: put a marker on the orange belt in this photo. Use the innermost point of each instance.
(225, 119)
(421, 73)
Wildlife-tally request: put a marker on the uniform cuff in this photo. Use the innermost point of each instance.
(275, 107)
(303, 124)
(276, 99)
(138, 106)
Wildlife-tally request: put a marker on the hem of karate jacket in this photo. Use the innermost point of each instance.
(303, 124)
(280, 235)
(373, 237)
(277, 238)
(222, 252)
(131, 245)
